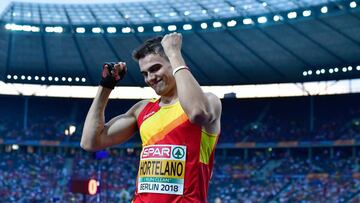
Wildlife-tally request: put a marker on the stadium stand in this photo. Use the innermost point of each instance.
(262, 120)
(30, 174)
(288, 70)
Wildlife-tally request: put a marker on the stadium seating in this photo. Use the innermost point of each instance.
(43, 176)
(262, 120)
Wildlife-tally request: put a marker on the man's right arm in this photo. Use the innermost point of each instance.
(97, 135)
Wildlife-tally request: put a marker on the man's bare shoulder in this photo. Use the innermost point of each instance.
(138, 107)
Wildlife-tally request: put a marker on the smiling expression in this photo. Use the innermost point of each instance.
(157, 73)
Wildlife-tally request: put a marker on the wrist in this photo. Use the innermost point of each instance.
(103, 93)
(175, 70)
(173, 54)
(177, 61)
(108, 83)
(105, 90)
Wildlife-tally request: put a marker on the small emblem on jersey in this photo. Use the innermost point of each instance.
(148, 115)
(178, 153)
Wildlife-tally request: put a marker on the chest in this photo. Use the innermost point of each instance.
(156, 122)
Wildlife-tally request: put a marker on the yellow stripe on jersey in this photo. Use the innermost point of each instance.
(157, 126)
(207, 146)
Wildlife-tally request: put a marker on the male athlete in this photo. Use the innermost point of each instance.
(179, 130)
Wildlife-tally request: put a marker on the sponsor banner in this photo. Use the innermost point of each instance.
(288, 144)
(245, 144)
(241, 176)
(356, 175)
(316, 143)
(317, 176)
(162, 169)
(49, 143)
(344, 142)
(265, 144)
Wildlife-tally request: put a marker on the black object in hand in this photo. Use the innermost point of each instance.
(110, 75)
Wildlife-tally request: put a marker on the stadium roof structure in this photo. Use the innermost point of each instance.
(226, 42)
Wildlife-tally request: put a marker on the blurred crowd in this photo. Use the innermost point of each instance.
(283, 177)
(264, 120)
(44, 177)
(296, 175)
(26, 177)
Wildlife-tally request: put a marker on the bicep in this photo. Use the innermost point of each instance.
(120, 128)
(215, 108)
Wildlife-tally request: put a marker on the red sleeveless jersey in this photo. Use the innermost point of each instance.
(177, 157)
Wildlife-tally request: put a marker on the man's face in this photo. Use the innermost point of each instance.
(157, 73)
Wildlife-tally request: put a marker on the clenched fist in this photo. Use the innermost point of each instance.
(172, 44)
(112, 73)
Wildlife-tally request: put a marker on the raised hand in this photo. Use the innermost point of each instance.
(112, 73)
(172, 44)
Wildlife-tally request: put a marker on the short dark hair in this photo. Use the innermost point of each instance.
(150, 46)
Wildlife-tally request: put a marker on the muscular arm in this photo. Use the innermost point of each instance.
(202, 108)
(98, 135)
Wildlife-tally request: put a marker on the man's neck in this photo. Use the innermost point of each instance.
(168, 100)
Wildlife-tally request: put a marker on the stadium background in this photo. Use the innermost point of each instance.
(287, 73)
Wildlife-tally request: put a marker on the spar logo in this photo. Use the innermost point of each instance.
(175, 152)
(178, 152)
(156, 152)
